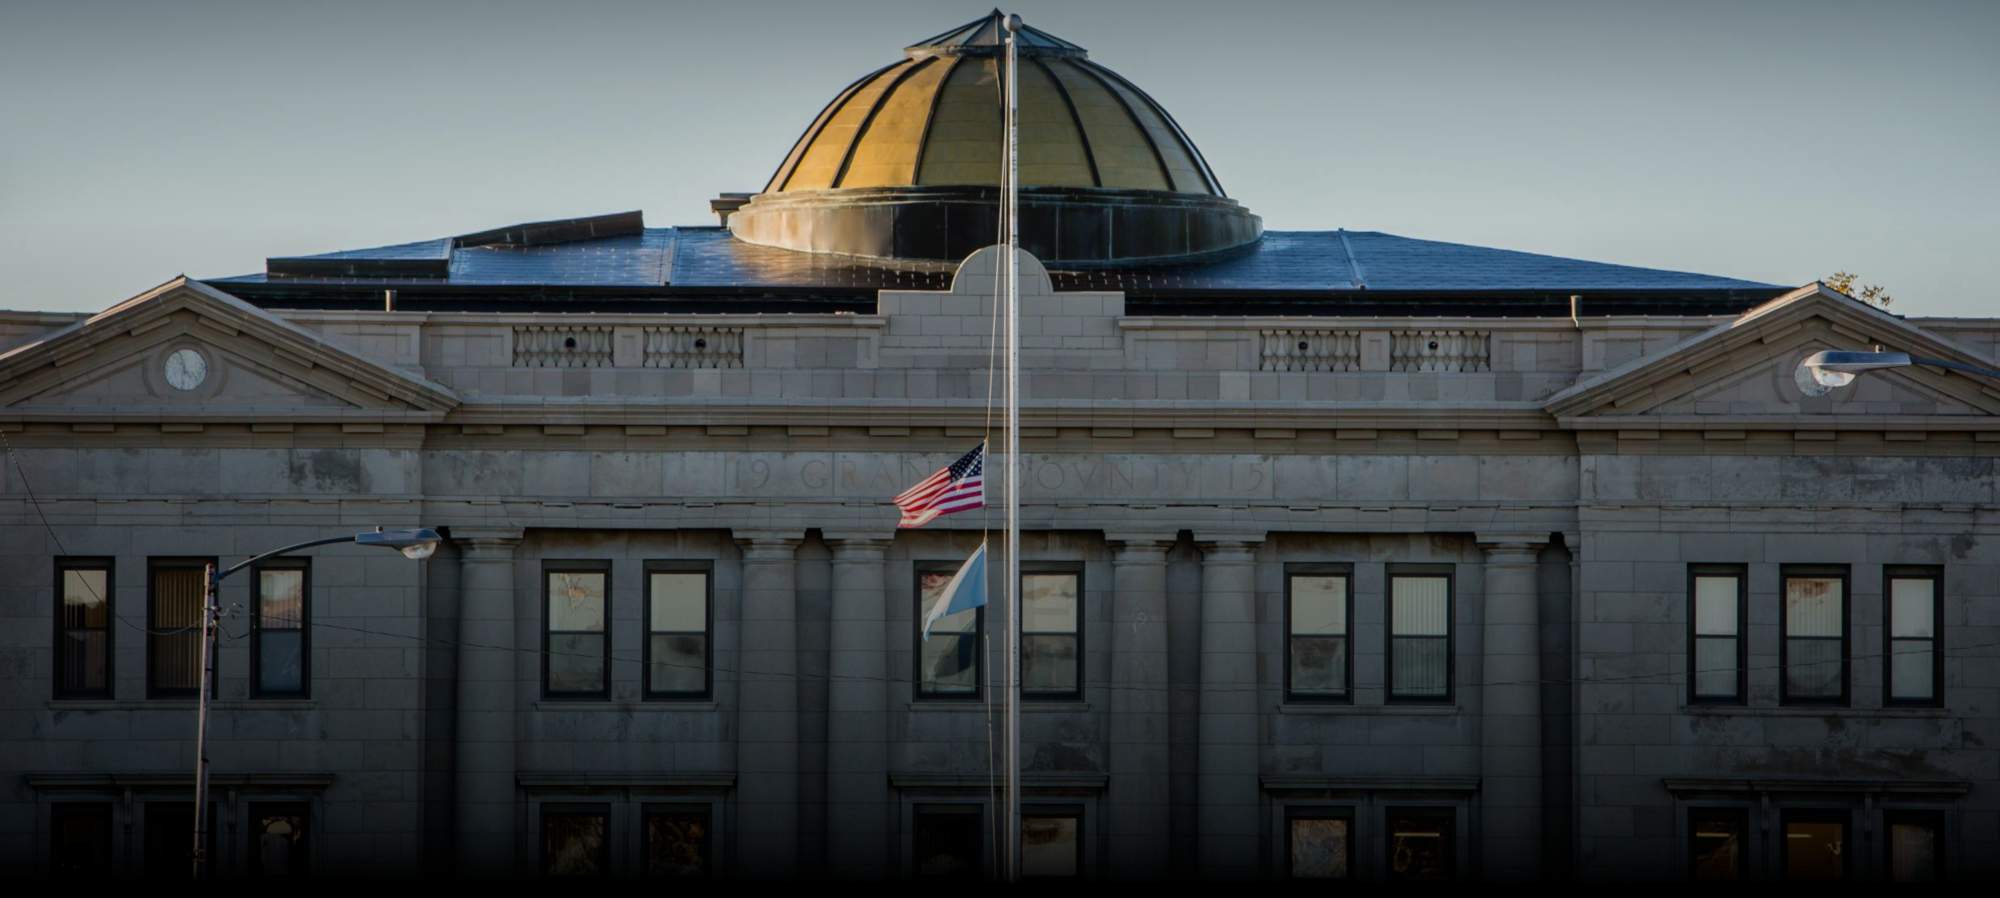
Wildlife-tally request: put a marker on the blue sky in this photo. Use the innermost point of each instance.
(1770, 140)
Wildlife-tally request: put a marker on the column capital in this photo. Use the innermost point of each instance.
(857, 539)
(1226, 542)
(768, 544)
(1505, 543)
(486, 543)
(1140, 542)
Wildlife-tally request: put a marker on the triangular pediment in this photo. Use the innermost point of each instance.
(1743, 373)
(185, 349)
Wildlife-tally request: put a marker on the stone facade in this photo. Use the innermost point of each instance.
(1564, 475)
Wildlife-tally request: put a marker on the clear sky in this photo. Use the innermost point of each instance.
(1764, 139)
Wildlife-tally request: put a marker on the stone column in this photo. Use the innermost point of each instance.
(1510, 724)
(857, 727)
(1139, 808)
(1226, 772)
(486, 809)
(767, 707)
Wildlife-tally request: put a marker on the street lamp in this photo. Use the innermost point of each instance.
(416, 544)
(1822, 372)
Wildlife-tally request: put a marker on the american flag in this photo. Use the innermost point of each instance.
(959, 486)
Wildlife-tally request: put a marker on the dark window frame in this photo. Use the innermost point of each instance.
(1082, 648)
(978, 692)
(63, 565)
(646, 691)
(1742, 574)
(290, 563)
(576, 566)
(1346, 695)
(253, 861)
(1346, 813)
(106, 810)
(1842, 816)
(1891, 574)
(975, 811)
(574, 809)
(1449, 816)
(1058, 811)
(1741, 817)
(1841, 572)
(153, 625)
(1932, 817)
(706, 811)
(1450, 574)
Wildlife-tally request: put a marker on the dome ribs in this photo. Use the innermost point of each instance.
(826, 114)
(924, 139)
(1208, 172)
(1145, 134)
(1089, 157)
(881, 99)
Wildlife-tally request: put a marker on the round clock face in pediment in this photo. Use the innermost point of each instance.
(186, 369)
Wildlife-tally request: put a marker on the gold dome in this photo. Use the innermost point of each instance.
(906, 162)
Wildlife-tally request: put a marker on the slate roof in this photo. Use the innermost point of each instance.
(710, 260)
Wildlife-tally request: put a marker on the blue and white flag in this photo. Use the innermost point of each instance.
(966, 591)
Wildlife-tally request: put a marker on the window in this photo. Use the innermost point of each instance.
(1051, 635)
(948, 663)
(1716, 621)
(1813, 647)
(83, 628)
(1051, 844)
(1816, 845)
(1320, 845)
(279, 839)
(1915, 663)
(1318, 606)
(279, 646)
(1421, 844)
(170, 839)
(678, 599)
(1716, 841)
(574, 841)
(1419, 637)
(945, 841)
(175, 593)
(677, 842)
(80, 839)
(1916, 845)
(575, 637)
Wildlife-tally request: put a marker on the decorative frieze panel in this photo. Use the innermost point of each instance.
(562, 346)
(1441, 350)
(1311, 349)
(693, 346)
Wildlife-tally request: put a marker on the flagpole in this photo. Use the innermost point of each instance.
(1012, 841)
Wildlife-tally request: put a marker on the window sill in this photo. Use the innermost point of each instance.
(1811, 711)
(1337, 708)
(182, 704)
(586, 705)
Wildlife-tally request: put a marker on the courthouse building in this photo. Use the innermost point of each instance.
(1344, 553)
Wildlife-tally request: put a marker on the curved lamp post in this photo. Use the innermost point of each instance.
(1823, 372)
(416, 544)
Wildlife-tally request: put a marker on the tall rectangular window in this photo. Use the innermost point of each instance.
(1915, 658)
(1419, 636)
(575, 841)
(1816, 845)
(678, 842)
(279, 645)
(678, 623)
(1915, 845)
(1717, 839)
(83, 628)
(1421, 844)
(576, 630)
(279, 839)
(1319, 844)
(948, 663)
(945, 841)
(175, 592)
(1051, 844)
(1717, 597)
(1052, 635)
(169, 837)
(1813, 645)
(1318, 605)
(80, 840)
